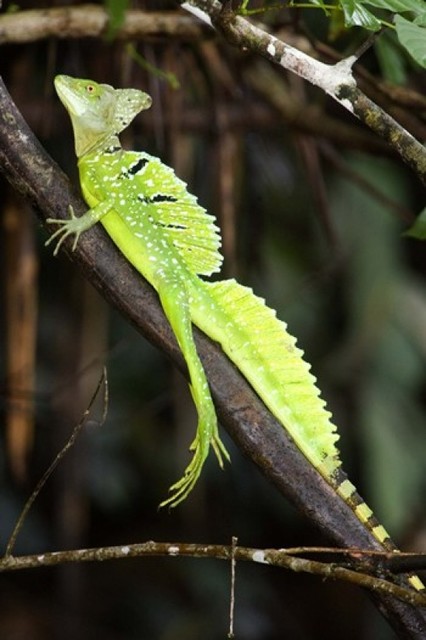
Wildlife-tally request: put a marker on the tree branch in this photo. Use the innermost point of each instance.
(309, 118)
(89, 20)
(272, 557)
(336, 80)
(260, 436)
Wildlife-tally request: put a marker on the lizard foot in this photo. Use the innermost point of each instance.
(67, 228)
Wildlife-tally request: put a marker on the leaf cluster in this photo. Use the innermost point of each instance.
(409, 20)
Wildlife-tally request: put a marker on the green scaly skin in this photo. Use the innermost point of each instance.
(171, 240)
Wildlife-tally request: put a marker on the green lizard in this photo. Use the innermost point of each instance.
(171, 240)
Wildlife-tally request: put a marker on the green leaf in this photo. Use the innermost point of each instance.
(418, 229)
(398, 6)
(413, 38)
(116, 10)
(356, 15)
(392, 59)
(421, 20)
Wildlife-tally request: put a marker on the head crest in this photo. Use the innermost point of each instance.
(98, 112)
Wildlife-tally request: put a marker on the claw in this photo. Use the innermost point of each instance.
(220, 451)
(183, 487)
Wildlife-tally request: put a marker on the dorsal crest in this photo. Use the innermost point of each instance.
(162, 198)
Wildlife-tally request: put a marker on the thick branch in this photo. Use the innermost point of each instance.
(336, 80)
(32, 172)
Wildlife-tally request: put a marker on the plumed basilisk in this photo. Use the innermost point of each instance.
(171, 240)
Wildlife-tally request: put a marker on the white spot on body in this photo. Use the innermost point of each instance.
(125, 550)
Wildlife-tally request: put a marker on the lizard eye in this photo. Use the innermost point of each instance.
(90, 88)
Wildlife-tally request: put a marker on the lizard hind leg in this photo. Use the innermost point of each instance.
(174, 299)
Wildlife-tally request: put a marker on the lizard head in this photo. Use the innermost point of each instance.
(98, 112)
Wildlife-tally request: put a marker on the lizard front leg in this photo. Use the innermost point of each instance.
(174, 299)
(77, 225)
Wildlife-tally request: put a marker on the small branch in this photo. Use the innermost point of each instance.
(271, 557)
(336, 80)
(92, 21)
(367, 561)
(398, 138)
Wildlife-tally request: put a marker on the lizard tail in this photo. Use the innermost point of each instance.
(263, 350)
(267, 355)
(348, 492)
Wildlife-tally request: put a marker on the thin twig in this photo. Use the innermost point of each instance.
(232, 599)
(271, 557)
(343, 166)
(70, 443)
